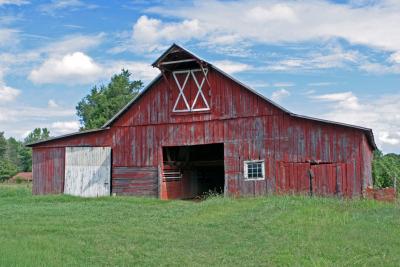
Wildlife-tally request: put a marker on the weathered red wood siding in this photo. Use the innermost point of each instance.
(48, 170)
(135, 181)
(249, 127)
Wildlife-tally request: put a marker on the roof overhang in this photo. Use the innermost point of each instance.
(176, 57)
(57, 138)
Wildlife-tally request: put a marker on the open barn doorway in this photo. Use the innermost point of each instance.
(192, 171)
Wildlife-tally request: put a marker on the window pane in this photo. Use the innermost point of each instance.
(254, 170)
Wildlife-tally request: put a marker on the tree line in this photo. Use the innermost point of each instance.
(385, 168)
(15, 156)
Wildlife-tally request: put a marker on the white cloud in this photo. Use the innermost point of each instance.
(151, 34)
(345, 100)
(395, 57)
(381, 114)
(374, 25)
(75, 68)
(320, 84)
(79, 68)
(57, 5)
(7, 93)
(278, 95)
(309, 92)
(231, 66)
(379, 68)
(334, 57)
(72, 43)
(386, 137)
(52, 104)
(23, 62)
(20, 113)
(278, 12)
(64, 127)
(13, 2)
(9, 37)
(140, 70)
(283, 84)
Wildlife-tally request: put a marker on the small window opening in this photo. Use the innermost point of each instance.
(254, 170)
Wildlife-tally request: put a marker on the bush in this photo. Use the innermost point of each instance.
(7, 170)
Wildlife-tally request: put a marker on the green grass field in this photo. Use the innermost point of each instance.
(121, 231)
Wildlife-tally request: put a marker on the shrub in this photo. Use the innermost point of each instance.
(7, 170)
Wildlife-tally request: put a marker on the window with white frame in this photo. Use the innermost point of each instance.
(254, 170)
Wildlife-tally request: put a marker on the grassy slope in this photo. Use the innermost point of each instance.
(62, 230)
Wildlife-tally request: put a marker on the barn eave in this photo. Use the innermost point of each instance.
(57, 138)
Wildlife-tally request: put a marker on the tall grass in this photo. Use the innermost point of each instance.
(121, 231)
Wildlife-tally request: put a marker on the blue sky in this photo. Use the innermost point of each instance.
(337, 60)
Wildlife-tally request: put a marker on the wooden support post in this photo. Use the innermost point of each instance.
(311, 175)
(338, 181)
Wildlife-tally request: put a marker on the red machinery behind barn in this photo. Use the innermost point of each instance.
(194, 129)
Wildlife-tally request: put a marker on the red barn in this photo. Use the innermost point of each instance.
(195, 129)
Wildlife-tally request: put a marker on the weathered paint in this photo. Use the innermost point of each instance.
(139, 181)
(249, 126)
(48, 170)
(87, 171)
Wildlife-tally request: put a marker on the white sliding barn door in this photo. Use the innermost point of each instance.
(87, 171)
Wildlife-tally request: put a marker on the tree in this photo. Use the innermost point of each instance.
(25, 159)
(385, 168)
(7, 170)
(38, 134)
(13, 149)
(103, 102)
(3, 146)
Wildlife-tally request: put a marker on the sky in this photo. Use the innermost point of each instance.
(336, 60)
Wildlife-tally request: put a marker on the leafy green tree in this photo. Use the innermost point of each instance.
(25, 159)
(38, 134)
(13, 149)
(3, 146)
(103, 102)
(7, 170)
(385, 168)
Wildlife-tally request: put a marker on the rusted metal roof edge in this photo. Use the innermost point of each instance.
(65, 136)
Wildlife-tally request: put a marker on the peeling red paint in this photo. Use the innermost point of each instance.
(249, 126)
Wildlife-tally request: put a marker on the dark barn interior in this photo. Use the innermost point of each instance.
(193, 171)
